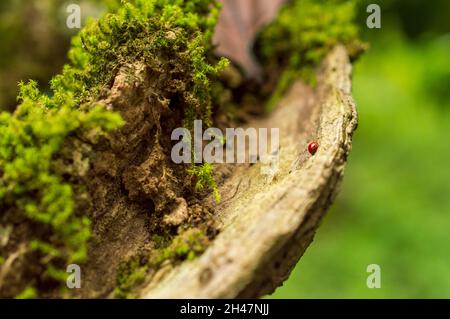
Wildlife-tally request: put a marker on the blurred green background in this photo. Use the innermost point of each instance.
(394, 207)
(34, 41)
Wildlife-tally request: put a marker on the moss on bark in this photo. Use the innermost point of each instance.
(41, 157)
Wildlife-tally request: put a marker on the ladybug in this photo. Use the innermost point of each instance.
(313, 147)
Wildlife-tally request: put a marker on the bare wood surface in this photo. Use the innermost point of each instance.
(267, 222)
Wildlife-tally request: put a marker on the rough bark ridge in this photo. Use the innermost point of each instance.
(267, 222)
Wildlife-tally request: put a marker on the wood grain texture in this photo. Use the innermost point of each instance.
(267, 222)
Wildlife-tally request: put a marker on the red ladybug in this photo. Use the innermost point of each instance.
(313, 147)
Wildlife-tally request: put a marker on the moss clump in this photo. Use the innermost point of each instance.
(153, 31)
(204, 175)
(186, 246)
(32, 189)
(29, 187)
(302, 35)
(129, 275)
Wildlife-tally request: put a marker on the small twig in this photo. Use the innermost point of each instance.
(7, 266)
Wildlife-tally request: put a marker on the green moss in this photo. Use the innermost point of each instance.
(186, 246)
(160, 240)
(2, 260)
(27, 293)
(157, 32)
(173, 36)
(302, 35)
(45, 248)
(129, 275)
(204, 175)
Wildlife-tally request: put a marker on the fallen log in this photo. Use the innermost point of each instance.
(267, 222)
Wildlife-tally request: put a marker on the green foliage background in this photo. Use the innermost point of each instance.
(394, 208)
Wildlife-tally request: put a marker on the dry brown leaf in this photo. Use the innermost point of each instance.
(238, 25)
